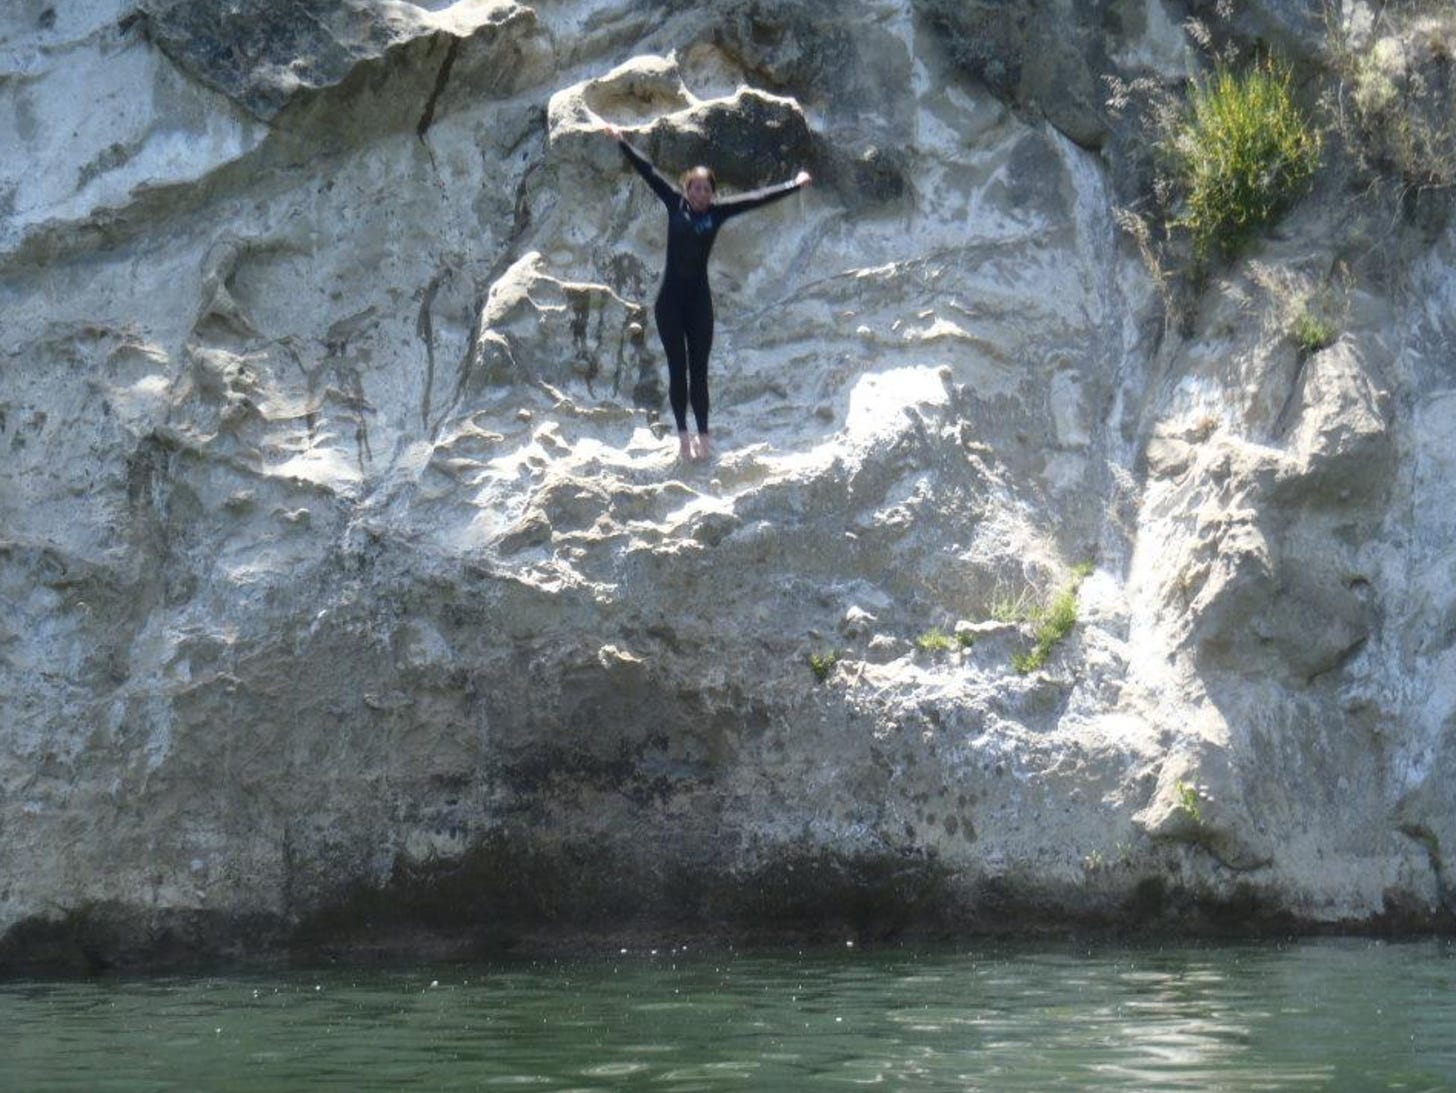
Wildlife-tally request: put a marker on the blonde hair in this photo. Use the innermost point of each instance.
(698, 172)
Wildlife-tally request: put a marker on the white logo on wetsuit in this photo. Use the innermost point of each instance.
(701, 224)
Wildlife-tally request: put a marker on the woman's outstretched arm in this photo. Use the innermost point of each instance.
(664, 189)
(741, 203)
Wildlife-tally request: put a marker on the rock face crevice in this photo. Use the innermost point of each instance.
(355, 600)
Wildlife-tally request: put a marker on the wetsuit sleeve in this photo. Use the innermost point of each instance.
(660, 185)
(741, 203)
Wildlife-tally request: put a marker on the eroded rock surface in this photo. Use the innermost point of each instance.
(354, 595)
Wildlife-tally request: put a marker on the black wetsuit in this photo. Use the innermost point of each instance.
(684, 307)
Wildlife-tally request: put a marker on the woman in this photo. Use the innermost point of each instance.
(684, 308)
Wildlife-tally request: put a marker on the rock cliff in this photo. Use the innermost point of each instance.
(354, 595)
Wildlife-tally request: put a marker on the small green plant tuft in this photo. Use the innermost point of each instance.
(935, 640)
(1241, 152)
(821, 664)
(1008, 608)
(1029, 661)
(1188, 800)
(965, 639)
(1051, 623)
(1305, 308)
(1312, 332)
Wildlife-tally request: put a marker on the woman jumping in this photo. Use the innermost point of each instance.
(684, 308)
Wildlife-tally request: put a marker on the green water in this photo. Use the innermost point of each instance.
(1354, 1015)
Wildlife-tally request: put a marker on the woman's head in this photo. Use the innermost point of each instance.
(698, 186)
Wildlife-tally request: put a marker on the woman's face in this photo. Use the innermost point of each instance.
(699, 194)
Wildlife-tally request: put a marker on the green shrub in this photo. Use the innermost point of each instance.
(1241, 151)
(1396, 104)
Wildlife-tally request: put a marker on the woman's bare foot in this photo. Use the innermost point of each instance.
(701, 447)
(684, 447)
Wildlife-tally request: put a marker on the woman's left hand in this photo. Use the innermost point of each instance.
(803, 178)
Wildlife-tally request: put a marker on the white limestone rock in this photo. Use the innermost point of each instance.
(354, 592)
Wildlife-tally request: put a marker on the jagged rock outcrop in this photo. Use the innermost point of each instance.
(354, 595)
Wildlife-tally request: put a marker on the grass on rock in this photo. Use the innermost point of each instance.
(1241, 152)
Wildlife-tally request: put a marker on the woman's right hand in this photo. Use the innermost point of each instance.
(612, 131)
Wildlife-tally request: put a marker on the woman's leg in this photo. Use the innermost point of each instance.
(698, 329)
(669, 315)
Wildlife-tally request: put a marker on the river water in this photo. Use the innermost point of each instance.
(1307, 1015)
